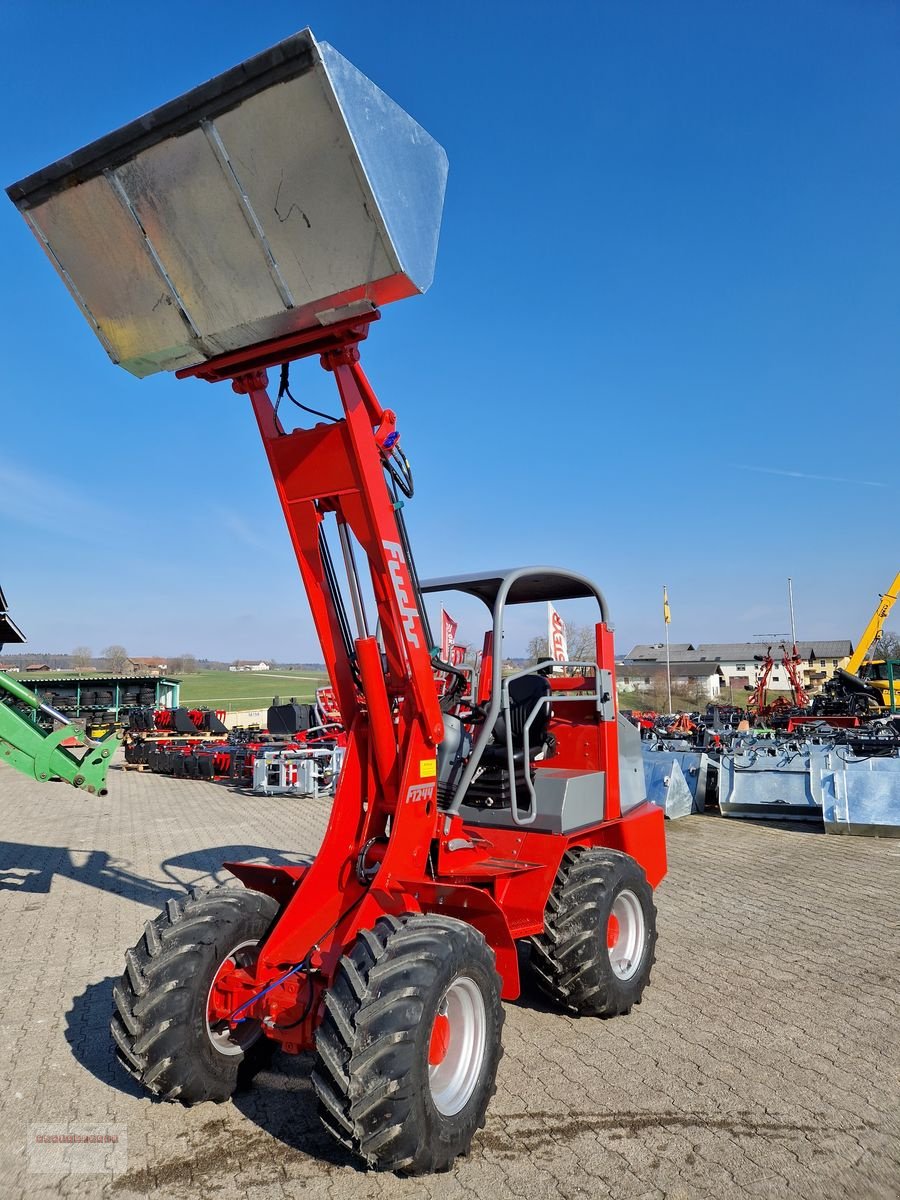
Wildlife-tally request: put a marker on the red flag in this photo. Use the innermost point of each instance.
(448, 634)
(457, 655)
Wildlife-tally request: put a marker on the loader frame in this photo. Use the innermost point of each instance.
(388, 848)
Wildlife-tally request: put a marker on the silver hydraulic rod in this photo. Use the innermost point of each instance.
(353, 580)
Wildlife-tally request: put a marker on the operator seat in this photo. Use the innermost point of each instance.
(491, 786)
(524, 693)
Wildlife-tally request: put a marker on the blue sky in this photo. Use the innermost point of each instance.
(662, 344)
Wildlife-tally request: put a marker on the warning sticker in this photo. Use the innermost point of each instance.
(427, 768)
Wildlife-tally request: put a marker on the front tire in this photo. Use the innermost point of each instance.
(598, 946)
(409, 1043)
(160, 1024)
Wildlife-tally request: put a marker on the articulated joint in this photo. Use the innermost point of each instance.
(341, 356)
(252, 381)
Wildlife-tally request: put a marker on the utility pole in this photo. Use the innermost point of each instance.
(666, 619)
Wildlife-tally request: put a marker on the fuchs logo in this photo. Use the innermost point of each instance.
(419, 793)
(400, 580)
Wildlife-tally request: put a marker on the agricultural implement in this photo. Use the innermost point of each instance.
(262, 219)
(847, 779)
(41, 742)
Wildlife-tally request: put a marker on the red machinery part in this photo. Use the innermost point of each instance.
(296, 955)
(394, 722)
(390, 852)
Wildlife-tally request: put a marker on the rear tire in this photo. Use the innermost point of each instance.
(159, 1024)
(598, 946)
(409, 1043)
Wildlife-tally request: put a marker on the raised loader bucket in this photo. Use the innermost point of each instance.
(288, 193)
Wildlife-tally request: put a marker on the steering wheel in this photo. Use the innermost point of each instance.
(477, 714)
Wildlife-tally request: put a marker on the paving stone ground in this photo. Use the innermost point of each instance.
(764, 1061)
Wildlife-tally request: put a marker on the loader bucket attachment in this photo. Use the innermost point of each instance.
(286, 194)
(862, 795)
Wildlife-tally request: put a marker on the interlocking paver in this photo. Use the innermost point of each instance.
(764, 1061)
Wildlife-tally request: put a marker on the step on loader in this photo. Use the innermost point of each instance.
(262, 219)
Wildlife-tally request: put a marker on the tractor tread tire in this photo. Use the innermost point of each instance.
(159, 1005)
(372, 1043)
(569, 960)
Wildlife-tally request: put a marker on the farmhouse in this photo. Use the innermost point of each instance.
(739, 661)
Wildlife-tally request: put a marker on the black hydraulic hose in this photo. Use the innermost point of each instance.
(459, 686)
(397, 467)
(414, 577)
(284, 390)
(338, 601)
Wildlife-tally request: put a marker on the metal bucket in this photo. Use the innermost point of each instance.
(862, 795)
(287, 193)
(694, 769)
(667, 787)
(771, 782)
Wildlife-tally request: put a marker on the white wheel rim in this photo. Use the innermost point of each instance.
(625, 935)
(453, 1080)
(224, 1039)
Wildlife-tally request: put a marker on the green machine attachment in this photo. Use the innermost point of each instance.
(41, 755)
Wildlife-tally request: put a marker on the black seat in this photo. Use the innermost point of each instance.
(524, 694)
(492, 786)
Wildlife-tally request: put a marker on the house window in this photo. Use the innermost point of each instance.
(740, 666)
(834, 662)
(646, 679)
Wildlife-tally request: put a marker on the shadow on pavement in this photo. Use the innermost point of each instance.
(281, 1101)
(277, 1097)
(27, 868)
(87, 1032)
(208, 863)
(31, 868)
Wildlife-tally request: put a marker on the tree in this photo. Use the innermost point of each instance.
(116, 658)
(188, 664)
(695, 692)
(580, 639)
(537, 650)
(82, 657)
(887, 646)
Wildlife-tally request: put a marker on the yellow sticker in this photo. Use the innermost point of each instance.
(428, 768)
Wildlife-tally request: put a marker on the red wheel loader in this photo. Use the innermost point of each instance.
(261, 219)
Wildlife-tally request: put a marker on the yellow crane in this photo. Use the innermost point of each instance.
(875, 627)
(883, 676)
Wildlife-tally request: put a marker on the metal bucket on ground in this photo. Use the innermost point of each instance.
(694, 769)
(861, 795)
(771, 781)
(667, 787)
(287, 193)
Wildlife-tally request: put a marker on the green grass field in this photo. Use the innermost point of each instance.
(247, 689)
(657, 701)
